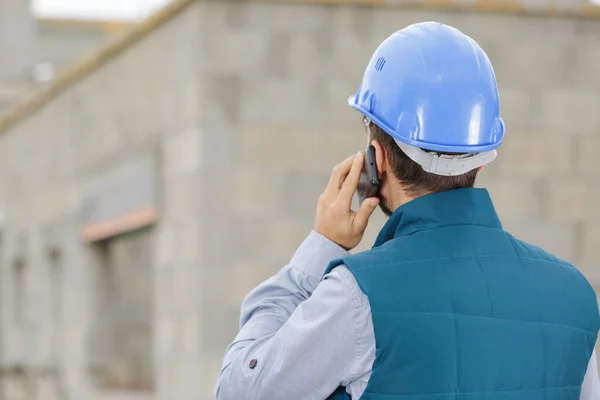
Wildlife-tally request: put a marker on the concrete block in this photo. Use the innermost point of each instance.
(52, 203)
(356, 24)
(557, 238)
(386, 21)
(165, 382)
(529, 63)
(211, 293)
(191, 338)
(516, 108)
(558, 108)
(212, 367)
(292, 101)
(283, 146)
(175, 76)
(302, 190)
(535, 155)
(190, 244)
(163, 281)
(92, 123)
(351, 52)
(586, 55)
(221, 145)
(259, 191)
(164, 342)
(490, 172)
(284, 236)
(180, 198)
(244, 277)
(590, 250)
(376, 222)
(166, 105)
(47, 389)
(218, 235)
(186, 378)
(289, 17)
(516, 199)
(222, 96)
(587, 156)
(338, 91)
(123, 95)
(573, 200)
(183, 299)
(215, 16)
(55, 148)
(315, 46)
(591, 271)
(61, 153)
(237, 51)
(520, 61)
(220, 325)
(245, 234)
(190, 102)
(277, 57)
(217, 191)
(345, 140)
(182, 152)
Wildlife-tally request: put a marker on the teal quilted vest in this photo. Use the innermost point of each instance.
(464, 311)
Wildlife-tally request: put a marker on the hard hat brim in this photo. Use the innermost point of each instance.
(352, 102)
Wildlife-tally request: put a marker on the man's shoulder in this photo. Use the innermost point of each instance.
(398, 249)
(527, 250)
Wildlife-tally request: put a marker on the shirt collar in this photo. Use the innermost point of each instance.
(467, 206)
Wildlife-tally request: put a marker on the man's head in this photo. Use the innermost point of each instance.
(432, 96)
(402, 179)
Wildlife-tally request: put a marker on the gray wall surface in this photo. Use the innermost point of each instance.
(25, 42)
(243, 108)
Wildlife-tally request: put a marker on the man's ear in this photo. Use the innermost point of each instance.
(380, 156)
(480, 168)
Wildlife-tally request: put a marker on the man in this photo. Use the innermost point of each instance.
(447, 305)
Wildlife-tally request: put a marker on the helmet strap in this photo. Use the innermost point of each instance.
(446, 165)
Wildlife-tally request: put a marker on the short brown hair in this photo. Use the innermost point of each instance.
(412, 176)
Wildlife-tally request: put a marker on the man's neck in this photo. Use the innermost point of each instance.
(401, 196)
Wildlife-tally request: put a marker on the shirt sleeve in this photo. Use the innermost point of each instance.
(299, 338)
(590, 390)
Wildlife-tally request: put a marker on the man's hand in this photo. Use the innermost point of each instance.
(335, 219)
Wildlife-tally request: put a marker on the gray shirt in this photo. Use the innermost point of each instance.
(302, 337)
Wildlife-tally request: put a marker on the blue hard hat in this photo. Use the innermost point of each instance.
(431, 86)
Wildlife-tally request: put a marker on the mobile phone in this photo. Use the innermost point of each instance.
(368, 185)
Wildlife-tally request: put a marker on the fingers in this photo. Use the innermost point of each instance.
(364, 213)
(338, 175)
(351, 182)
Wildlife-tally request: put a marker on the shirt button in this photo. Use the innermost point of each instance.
(253, 363)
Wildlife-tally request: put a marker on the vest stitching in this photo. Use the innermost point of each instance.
(482, 317)
(487, 287)
(456, 369)
(469, 393)
(450, 258)
(410, 232)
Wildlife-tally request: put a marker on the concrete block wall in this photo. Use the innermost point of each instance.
(57, 44)
(280, 84)
(243, 106)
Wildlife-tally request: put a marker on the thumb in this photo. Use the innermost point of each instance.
(365, 211)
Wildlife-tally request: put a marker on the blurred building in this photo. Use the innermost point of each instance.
(39, 38)
(150, 187)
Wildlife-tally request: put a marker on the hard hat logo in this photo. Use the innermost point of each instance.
(432, 87)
